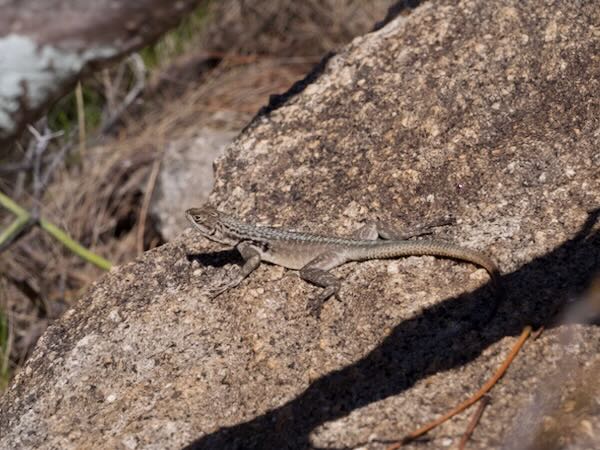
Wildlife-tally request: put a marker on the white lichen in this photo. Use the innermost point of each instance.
(35, 72)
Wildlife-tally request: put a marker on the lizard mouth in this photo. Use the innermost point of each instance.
(190, 217)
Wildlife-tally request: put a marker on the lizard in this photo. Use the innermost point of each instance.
(314, 255)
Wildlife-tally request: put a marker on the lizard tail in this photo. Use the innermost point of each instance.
(391, 249)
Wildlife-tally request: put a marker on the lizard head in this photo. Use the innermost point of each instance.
(208, 221)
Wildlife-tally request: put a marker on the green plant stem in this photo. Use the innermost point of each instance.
(23, 217)
(9, 204)
(74, 246)
(13, 229)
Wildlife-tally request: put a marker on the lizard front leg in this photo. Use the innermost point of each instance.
(316, 272)
(252, 260)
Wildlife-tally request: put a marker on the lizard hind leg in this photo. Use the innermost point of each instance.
(372, 231)
(368, 232)
(317, 272)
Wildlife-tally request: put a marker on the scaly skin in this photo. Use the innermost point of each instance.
(313, 254)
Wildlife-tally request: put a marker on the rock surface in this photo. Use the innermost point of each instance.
(485, 111)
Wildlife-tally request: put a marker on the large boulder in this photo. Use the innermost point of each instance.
(483, 111)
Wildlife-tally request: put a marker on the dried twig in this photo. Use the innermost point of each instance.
(41, 144)
(136, 63)
(109, 90)
(6, 340)
(146, 205)
(20, 166)
(59, 157)
(27, 164)
(474, 421)
(80, 119)
(537, 333)
(474, 398)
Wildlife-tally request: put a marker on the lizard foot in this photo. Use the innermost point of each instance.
(315, 305)
(217, 290)
(214, 292)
